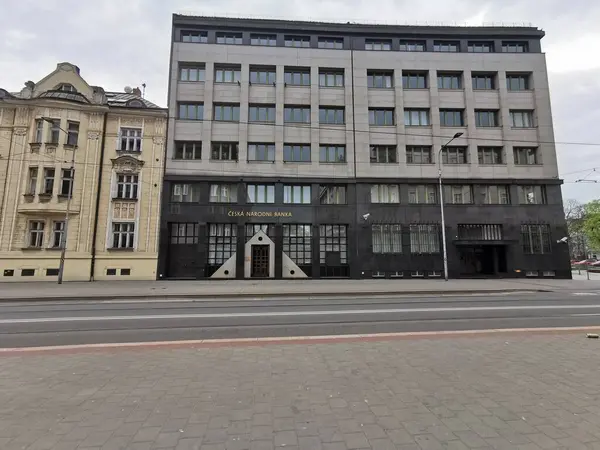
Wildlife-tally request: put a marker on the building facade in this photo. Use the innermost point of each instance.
(303, 149)
(68, 147)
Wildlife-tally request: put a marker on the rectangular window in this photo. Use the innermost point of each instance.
(297, 194)
(222, 242)
(483, 81)
(385, 193)
(191, 111)
(332, 153)
(260, 193)
(416, 117)
(526, 156)
(414, 80)
(333, 244)
(412, 46)
(58, 234)
(48, 181)
(480, 232)
(269, 40)
(381, 117)
(39, 131)
(517, 82)
(381, 79)
(262, 75)
(458, 194)
(418, 154)
(226, 112)
(486, 118)
(480, 47)
(189, 72)
(455, 155)
(424, 194)
(123, 235)
(32, 183)
(495, 195)
(185, 193)
(196, 37)
(331, 43)
(297, 243)
(54, 131)
(449, 80)
(332, 195)
(72, 133)
(384, 154)
(297, 41)
(261, 152)
(188, 150)
(331, 115)
(296, 114)
(127, 186)
(515, 47)
(223, 193)
(378, 44)
(224, 151)
(253, 228)
(386, 238)
(51, 272)
(296, 153)
(228, 74)
(521, 119)
(296, 76)
(331, 77)
(490, 155)
(261, 113)
(184, 233)
(532, 195)
(229, 38)
(66, 185)
(446, 46)
(36, 233)
(424, 238)
(452, 118)
(536, 239)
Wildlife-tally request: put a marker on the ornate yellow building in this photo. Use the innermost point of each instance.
(61, 138)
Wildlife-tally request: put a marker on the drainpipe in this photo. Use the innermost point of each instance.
(98, 192)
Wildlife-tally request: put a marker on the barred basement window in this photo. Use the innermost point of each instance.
(222, 240)
(424, 238)
(333, 242)
(535, 239)
(386, 238)
(297, 243)
(184, 233)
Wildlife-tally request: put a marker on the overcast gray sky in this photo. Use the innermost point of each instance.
(126, 42)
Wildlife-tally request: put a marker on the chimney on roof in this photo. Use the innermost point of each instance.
(137, 92)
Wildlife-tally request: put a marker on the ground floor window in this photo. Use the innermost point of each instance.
(333, 244)
(387, 238)
(184, 233)
(297, 243)
(536, 239)
(424, 238)
(222, 240)
(253, 228)
(123, 235)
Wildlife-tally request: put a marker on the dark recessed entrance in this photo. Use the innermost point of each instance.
(260, 261)
(482, 260)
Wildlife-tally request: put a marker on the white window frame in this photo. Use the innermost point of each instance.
(123, 235)
(185, 193)
(297, 194)
(130, 140)
(127, 186)
(32, 179)
(54, 132)
(72, 133)
(58, 233)
(223, 193)
(385, 193)
(35, 233)
(38, 137)
(49, 178)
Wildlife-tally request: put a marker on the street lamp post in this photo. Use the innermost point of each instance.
(445, 253)
(63, 246)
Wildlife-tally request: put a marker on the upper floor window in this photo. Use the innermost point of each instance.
(458, 194)
(38, 136)
(412, 46)
(66, 185)
(483, 81)
(332, 153)
(451, 118)
(190, 72)
(188, 150)
(495, 194)
(296, 152)
(385, 193)
(418, 154)
(227, 113)
(270, 40)
(36, 233)
(223, 193)
(514, 47)
(378, 44)
(262, 75)
(535, 239)
(296, 114)
(296, 76)
(332, 194)
(416, 117)
(384, 154)
(127, 186)
(414, 80)
(229, 38)
(446, 46)
(449, 80)
(54, 131)
(381, 116)
(131, 140)
(480, 47)
(517, 82)
(532, 195)
(66, 87)
(297, 41)
(454, 155)
(58, 233)
(32, 181)
(185, 193)
(72, 133)
(486, 118)
(298, 194)
(224, 151)
(48, 181)
(525, 155)
(490, 155)
(422, 194)
(194, 36)
(228, 74)
(521, 119)
(331, 115)
(191, 111)
(386, 238)
(261, 152)
(261, 113)
(331, 77)
(331, 42)
(260, 193)
(123, 235)
(382, 79)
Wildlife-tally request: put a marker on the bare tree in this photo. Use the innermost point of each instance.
(575, 217)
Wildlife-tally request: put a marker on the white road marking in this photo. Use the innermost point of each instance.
(586, 293)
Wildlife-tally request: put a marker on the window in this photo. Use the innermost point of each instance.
(185, 193)
(525, 155)
(331, 115)
(424, 238)
(414, 80)
(27, 272)
(270, 40)
(486, 118)
(66, 185)
(127, 186)
(253, 228)
(422, 194)
(517, 82)
(416, 117)
(296, 114)
(332, 195)
(331, 78)
(123, 235)
(188, 150)
(229, 38)
(333, 242)
(261, 113)
(39, 131)
(382, 79)
(483, 81)
(386, 238)
(261, 152)
(296, 194)
(532, 195)
(490, 155)
(262, 75)
(222, 240)
(131, 140)
(54, 131)
(536, 239)
(36, 233)
(227, 113)
(296, 152)
(224, 151)
(58, 234)
(194, 37)
(381, 116)
(72, 133)
(260, 193)
(480, 47)
(48, 181)
(331, 43)
(297, 41)
(184, 233)
(515, 47)
(192, 72)
(297, 243)
(384, 154)
(458, 194)
(33, 176)
(455, 155)
(495, 195)
(446, 46)
(191, 111)
(385, 193)
(521, 119)
(418, 154)
(223, 193)
(296, 76)
(451, 118)
(51, 272)
(332, 153)
(378, 44)
(412, 46)
(480, 232)
(66, 87)
(227, 74)
(449, 80)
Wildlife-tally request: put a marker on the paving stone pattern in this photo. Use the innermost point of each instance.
(526, 392)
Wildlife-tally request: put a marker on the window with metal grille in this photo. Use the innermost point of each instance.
(331, 43)
(385, 193)
(532, 195)
(261, 152)
(224, 151)
(452, 118)
(297, 243)
(378, 44)
(525, 155)
(66, 182)
(297, 76)
(495, 195)
(123, 235)
(381, 117)
(517, 82)
(296, 114)
(332, 153)
(412, 46)
(262, 75)
(72, 133)
(521, 119)
(418, 154)
(449, 80)
(386, 238)
(191, 111)
(223, 193)
(486, 118)
(297, 41)
(422, 194)
(260, 193)
(483, 81)
(222, 240)
(381, 79)
(331, 115)
(228, 74)
(185, 193)
(331, 77)
(36, 233)
(535, 239)
(332, 194)
(196, 37)
(515, 47)
(269, 40)
(424, 238)
(131, 140)
(188, 72)
(333, 244)
(252, 228)
(490, 155)
(298, 194)
(229, 38)
(414, 80)
(58, 233)
(458, 194)
(184, 233)
(296, 152)
(480, 232)
(226, 112)
(188, 150)
(261, 113)
(446, 46)
(127, 186)
(48, 181)
(480, 47)
(416, 117)
(455, 155)
(383, 154)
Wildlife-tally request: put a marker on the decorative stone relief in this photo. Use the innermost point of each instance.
(127, 164)
(50, 149)
(95, 122)
(131, 122)
(22, 116)
(20, 131)
(158, 140)
(93, 135)
(54, 112)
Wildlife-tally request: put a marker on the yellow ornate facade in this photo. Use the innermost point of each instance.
(61, 138)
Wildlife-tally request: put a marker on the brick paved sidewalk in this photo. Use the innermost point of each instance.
(479, 392)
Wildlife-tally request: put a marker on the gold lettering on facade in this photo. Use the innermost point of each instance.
(232, 213)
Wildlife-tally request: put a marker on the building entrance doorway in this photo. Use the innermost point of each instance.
(260, 261)
(482, 260)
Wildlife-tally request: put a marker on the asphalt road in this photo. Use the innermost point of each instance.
(26, 324)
